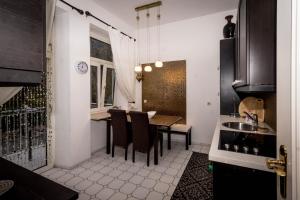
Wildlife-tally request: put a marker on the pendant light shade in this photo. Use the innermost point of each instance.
(158, 64)
(148, 68)
(138, 68)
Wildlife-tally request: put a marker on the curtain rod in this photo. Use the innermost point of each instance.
(88, 14)
(73, 7)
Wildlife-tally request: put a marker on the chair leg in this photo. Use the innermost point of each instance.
(148, 158)
(126, 151)
(161, 144)
(187, 141)
(190, 136)
(113, 150)
(133, 155)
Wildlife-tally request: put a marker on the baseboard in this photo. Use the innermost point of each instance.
(99, 149)
(71, 167)
(43, 169)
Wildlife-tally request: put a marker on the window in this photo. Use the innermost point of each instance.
(102, 85)
(110, 87)
(102, 76)
(94, 87)
(100, 50)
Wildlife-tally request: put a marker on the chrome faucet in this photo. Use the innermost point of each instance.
(253, 117)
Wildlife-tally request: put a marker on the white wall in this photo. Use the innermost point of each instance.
(76, 135)
(196, 41)
(296, 97)
(62, 110)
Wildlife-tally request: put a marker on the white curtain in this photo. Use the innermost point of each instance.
(6, 93)
(50, 12)
(123, 49)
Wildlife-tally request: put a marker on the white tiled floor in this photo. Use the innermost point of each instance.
(103, 177)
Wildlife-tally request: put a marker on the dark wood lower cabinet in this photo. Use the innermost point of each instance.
(31, 186)
(239, 183)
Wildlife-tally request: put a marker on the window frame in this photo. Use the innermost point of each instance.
(106, 64)
(101, 95)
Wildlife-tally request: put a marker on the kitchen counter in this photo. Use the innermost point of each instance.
(236, 158)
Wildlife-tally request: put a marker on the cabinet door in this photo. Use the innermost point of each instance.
(241, 67)
(22, 34)
(262, 41)
(228, 97)
(240, 183)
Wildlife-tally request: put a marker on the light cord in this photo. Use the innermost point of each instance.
(158, 32)
(138, 38)
(148, 37)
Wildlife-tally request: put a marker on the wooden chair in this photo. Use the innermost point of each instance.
(122, 135)
(143, 134)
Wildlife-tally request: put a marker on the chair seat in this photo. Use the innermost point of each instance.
(181, 128)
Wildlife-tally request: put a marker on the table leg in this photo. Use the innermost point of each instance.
(161, 141)
(156, 148)
(108, 137)
(169, 138)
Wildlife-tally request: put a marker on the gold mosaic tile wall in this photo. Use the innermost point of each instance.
(164, 89)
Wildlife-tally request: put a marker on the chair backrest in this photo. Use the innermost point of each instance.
(120, 127)
(141, 135)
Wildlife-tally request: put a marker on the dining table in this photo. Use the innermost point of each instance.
(161, 122)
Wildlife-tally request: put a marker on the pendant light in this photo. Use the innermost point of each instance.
(148, 68)
(138, 67)
(158, 63)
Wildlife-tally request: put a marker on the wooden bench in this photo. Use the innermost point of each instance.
(180, 129)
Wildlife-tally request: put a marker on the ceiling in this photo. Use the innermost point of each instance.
(171, 10)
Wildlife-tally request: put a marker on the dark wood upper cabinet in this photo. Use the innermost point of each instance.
(22, 39)
(241, 72)
(256, 46)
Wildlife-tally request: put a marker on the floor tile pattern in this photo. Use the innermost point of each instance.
(103, 177)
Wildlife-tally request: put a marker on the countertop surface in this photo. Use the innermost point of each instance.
(235, 158)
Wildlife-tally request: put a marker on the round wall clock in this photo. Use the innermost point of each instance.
(81, 67)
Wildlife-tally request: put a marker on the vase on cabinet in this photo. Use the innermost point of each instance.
(229, 28)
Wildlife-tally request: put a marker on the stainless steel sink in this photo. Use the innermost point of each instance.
(244, 127)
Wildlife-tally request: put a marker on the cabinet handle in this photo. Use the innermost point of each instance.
(234, 83)
(280, 167)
